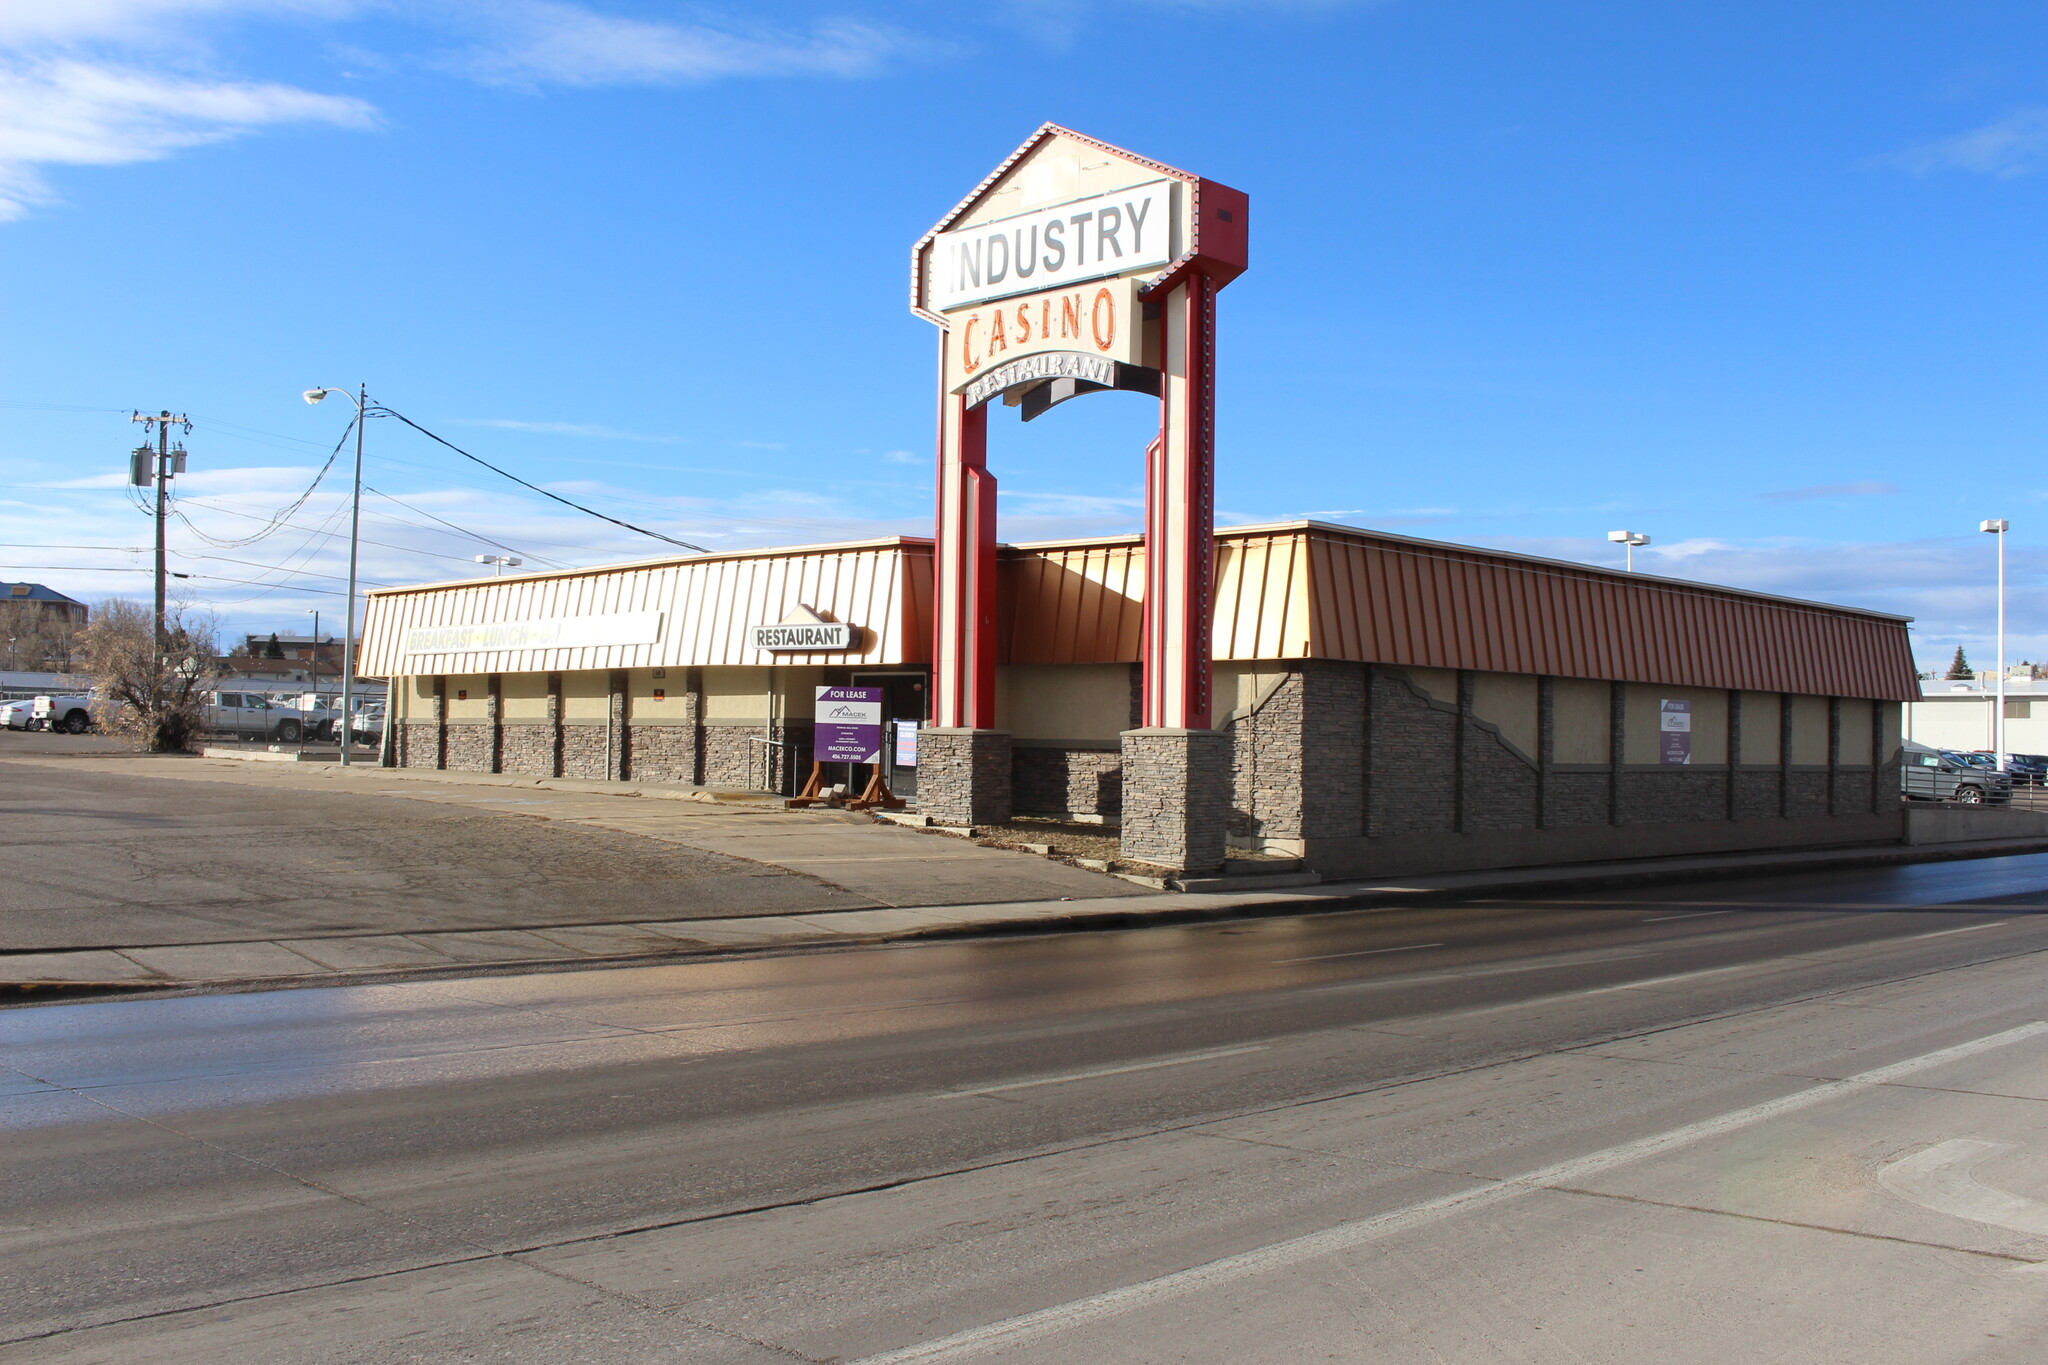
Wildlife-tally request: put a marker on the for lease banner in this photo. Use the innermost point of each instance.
(849, 725)
(1674, 732)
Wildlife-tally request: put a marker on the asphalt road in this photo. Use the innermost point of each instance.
(1604, 1128)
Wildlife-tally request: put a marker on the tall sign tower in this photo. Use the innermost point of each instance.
(1077, 267)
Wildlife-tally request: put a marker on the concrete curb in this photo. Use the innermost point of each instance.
(705, 940)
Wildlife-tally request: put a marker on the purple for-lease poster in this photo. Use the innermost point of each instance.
(849, 721)
(1674, 725)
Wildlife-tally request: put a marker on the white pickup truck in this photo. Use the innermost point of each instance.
(71, 715)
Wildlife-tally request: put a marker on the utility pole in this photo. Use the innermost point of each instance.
(168, 462)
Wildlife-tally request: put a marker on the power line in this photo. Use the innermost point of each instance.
(277, 521)
(210, 577)
(655, 535)
(453, 527)
(380, 544)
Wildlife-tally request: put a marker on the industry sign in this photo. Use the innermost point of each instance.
(849, 725)
(816, 635)
(1069, 243)
(1044, 287)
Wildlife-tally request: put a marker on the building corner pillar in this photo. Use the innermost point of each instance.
(1176, 797)
(963, 775)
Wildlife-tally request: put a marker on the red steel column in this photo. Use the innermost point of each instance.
(964, 568)
(1180, 515)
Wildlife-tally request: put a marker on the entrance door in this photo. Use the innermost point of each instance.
(903, 699)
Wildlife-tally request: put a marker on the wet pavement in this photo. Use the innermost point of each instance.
(1011, 1148)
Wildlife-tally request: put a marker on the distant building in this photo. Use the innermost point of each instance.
(1957, 715)
(326, 650)
(39, 628)
(46, 603)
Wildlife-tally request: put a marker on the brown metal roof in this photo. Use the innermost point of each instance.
(1314, 590)
(1298, 590)
(705, 603)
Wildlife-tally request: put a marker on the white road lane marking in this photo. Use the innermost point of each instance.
(1102, 1071)
(1690, 914)
(1964, 930)
(1940, 1178)
(1667, 980)
(1347, 1236)
(1362, 952)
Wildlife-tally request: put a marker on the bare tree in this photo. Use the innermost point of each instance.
(157, 696)
(34, 639)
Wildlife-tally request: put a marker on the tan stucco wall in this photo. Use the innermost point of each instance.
(1579, 721)
(586, 695)
(1440, 684)
(1855, 750)
(524, 696)
(1074, 703)
(1760, 723)
(475, 706)
(796, 689)
(1240, 689)
(415, 697)
(1810, 731)
(736, 694)
(641, 685)
(1509, 702)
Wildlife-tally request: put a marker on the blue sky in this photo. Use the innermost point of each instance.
(1764, 281)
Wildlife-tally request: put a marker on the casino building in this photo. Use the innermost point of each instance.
(1389, 705)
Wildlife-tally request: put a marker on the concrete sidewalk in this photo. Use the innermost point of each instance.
(328, 960)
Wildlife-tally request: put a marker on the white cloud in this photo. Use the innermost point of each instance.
(548, 41)
(47, 23)
(63, 112)
(600, 433)
(2013, 146)
(903, 457)
(114, 82)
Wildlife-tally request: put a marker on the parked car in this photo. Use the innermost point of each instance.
(2028, 770)
(16, 715)
(319, 715)
(367, 727)
(71, 715)
(249, 715)
(1945, 775)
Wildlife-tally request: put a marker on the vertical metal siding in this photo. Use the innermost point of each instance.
(1384, 600)
(1281, 593)
(707, 606)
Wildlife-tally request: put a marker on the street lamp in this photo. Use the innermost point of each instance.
(1998, 528)
(1630, 539)
(500, 563)
(361, 398)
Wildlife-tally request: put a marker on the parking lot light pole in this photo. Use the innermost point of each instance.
(1998, 528)
(1630, 539)
(361, 399)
